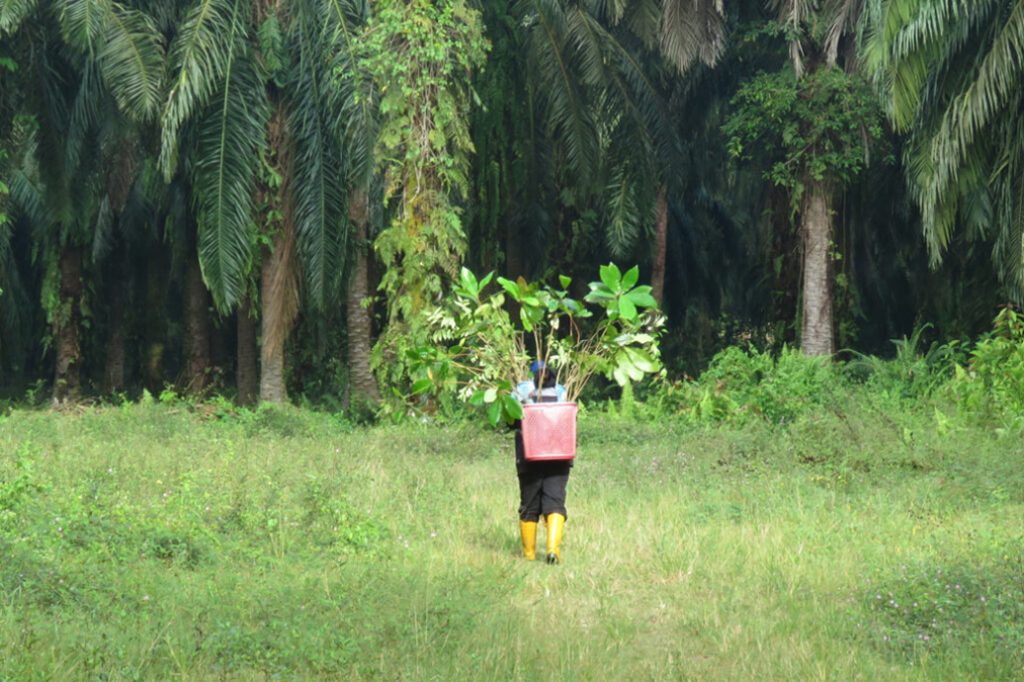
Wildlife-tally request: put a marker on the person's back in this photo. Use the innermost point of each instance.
(549, 390)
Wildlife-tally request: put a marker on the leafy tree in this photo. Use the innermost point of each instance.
(814, 123)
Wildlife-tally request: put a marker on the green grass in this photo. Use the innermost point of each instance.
(167, 542)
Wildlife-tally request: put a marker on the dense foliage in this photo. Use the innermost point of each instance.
(196, 194)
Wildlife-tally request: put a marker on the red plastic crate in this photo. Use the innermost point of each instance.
(549, 431)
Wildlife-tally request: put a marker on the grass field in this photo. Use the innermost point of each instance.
(157, 542)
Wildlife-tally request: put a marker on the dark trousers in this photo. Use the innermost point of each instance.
(541, 485)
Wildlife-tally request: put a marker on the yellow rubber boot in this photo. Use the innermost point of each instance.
(528, 532)
(556, 524)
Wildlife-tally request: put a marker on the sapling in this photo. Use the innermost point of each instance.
(480, 350)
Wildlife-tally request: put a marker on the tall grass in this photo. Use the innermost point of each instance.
(853, 541)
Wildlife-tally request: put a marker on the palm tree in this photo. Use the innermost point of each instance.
(353, 101)
(594, 81)
(264, 155)
(95, 69)
(952, 73)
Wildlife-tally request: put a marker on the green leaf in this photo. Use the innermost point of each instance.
(642, 360)
(630, 278)
(598, 293)
(477, 399)
(527, 325)
(641, 299)
(494, 413)
(635, 373)
(627, 309)
(469, 282)
(510, 287)
(490, 395)
(513, 407)
(422, 386)
(565, 281)
(611, 276)
(229, 137)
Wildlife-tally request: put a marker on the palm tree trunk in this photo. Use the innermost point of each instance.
(279, 293)
(362, 384)
(197, 328)
(113, 371)
(245, 374)
(816, 337)
(155, 325)
(278, 313)
(660, 244)
(67, 379)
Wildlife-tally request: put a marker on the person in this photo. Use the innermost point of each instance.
(541, 484)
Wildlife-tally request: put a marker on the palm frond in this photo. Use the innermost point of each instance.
(350, 98)
(794, 14)
(27, 197)
(588, 41)
(199, 58)
(644, 19)
(317, 189)
(692, 30)
(844, 16)
(84, 114)
(230, 135)
(910, 42)
(13, 13)
(82, 22)
(567, 115)
(1008, 178)
(631, 84)
(624, 219)
(999, 77)
(131, 59)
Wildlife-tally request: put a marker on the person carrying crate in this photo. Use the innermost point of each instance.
(541, 483)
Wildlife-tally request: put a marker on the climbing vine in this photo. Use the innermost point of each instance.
(421, 55)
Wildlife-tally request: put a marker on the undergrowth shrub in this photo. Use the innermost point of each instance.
(911, 374)
(992, 383)
(740, 383)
